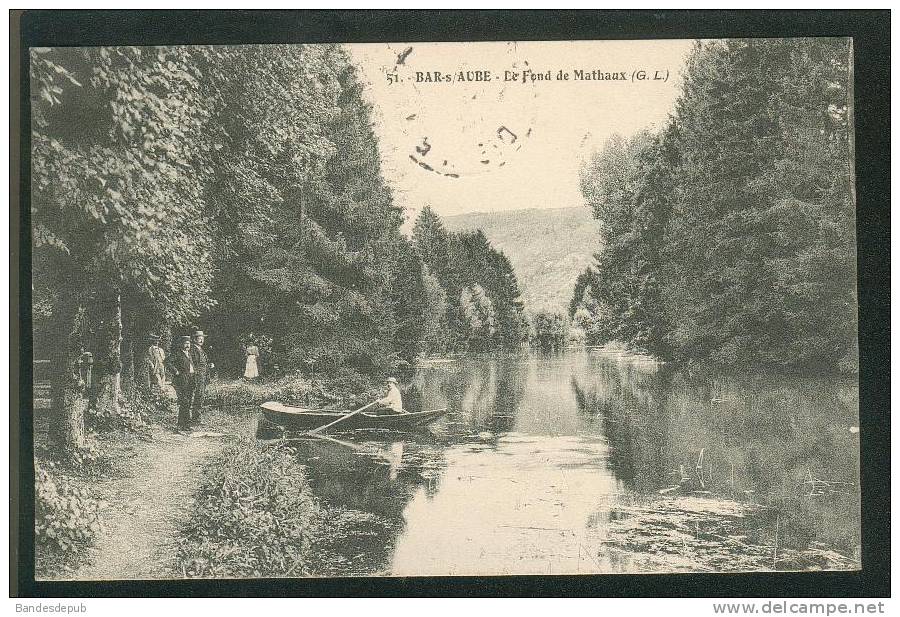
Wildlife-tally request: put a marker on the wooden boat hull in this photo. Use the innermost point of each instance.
(306, 419)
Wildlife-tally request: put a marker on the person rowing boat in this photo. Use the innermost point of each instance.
(384, 413)
(298, 418)
(392, 402)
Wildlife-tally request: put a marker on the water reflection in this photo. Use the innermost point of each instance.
(602, 462)
(366, 485)
(785, 444)
(486, 399)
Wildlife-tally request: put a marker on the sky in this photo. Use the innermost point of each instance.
(518, 140)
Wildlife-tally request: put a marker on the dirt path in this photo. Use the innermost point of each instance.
(147, 499)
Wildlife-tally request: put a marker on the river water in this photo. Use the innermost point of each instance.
(598, 461)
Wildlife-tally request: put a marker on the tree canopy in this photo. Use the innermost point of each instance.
(729, 234)
(239, 190)
(483, 309)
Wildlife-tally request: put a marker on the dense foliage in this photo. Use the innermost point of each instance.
(550, 331)
(239, 190)
(66, 518)
(343, 388)
(475, 286)
(117, 164)
(254, 516)
(307, 231)
(729, 234)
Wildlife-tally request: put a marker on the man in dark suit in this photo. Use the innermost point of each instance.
(202, 365)
(183, 378)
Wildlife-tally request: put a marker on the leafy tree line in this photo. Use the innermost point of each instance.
(238, 190)
(729, 234)
(549, 331)
(308, 256)
(472, 299)
(121, 242)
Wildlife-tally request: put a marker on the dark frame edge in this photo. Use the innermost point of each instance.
(870, 31)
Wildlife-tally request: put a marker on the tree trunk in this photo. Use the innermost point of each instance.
(141, 345)
(67, 389)
(135, 347)
(109, 317)
(128, 349)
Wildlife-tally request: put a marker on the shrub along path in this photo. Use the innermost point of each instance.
(148, 497)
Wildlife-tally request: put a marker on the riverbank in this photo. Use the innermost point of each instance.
(254, 514)
(343, 389)
(563, 463)
(148, 483)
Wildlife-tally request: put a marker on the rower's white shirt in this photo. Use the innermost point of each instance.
(393, 399)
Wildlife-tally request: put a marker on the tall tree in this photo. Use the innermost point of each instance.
(409, 301)
(624, 279)
(115, 203)
(730, 234)
(479, 318)
(432, 240)
(434, 326)
(307, 221)
(756, 205)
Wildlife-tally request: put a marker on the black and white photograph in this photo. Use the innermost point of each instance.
(418, 309)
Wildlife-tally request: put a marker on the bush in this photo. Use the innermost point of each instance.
(254, 516)
(551, 331)
(134, 413)
(351, 388)
(344, 388)
(89, 459)
(241, 392)
(66, 518)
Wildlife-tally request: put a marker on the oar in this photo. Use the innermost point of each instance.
(341, 419)
(371, 451)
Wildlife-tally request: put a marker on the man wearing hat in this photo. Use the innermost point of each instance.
(202, 366)
(156, 359)
(183, 377)
(392, 401)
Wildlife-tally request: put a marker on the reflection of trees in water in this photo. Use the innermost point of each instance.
(486, 394)
(380, 481)
(478, 394)
(754, 438)
(630, 405)
(509, 394)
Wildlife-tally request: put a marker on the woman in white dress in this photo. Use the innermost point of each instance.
(251, 368)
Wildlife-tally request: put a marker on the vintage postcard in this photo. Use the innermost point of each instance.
(422, 309)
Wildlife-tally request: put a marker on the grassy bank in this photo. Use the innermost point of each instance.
(66, 519)
(255, 515)
(344, 389)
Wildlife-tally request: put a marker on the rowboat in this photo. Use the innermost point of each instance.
(299, 418)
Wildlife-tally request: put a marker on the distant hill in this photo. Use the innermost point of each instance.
(547, 248)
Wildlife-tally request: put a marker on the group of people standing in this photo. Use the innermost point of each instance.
(189, 367)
